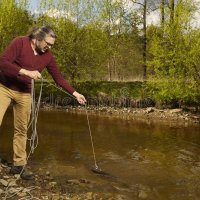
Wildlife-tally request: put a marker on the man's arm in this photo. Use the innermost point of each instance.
(59, 79)
(7, 65)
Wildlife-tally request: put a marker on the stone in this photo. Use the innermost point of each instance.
(55, 197)
(47, 173)
(4, 182)
(1, 191)
(12, 183)
(21, 194)
(52, 184)
(84, 181)
(25, 190)
(73, 181)
(89, 195)
(150, 109)
(176, 110)
(45, 197)
(142, 195)
(6, 177)
(13, 190)
(17, 176)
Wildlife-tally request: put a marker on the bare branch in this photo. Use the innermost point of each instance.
(138, 3)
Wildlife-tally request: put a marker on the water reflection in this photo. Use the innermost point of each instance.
(160, 160)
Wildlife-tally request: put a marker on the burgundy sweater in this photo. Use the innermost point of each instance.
(19, 54)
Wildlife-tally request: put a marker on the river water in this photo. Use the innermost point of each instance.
(144, 160)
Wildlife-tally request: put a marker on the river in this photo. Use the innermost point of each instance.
(144, 160)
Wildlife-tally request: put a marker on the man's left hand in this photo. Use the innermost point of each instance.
(80, 98)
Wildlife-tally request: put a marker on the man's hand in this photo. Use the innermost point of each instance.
(80, 98)
(32, 74)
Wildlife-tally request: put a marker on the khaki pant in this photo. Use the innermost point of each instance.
(21, 110)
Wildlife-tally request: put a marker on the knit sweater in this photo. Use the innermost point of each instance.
(19, 54)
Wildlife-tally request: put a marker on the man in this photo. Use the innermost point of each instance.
(23, 60)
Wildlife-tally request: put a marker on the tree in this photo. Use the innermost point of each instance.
(15, 20)
(176, 71)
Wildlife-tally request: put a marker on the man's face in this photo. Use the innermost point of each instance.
(45, 44)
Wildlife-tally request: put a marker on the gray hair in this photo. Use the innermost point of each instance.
(40, 33)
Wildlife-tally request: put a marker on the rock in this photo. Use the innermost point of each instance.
(55, 197)
(6, 177)
(89, 195)
(119, 197)
(176, 111)
(47, 173)
(25, 190)
(150, 109)
(12, 183)
(52, 184)
(21, 194)
(13, 190)
(122, 189)
(1, 191)
(4, 182)
(73, 181)
(45, 197)
(142, 195)
(84, 181)
(17, 176)
(134, 155)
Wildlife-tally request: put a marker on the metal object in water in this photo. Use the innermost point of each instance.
(98, 170)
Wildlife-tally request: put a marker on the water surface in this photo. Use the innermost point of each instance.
(160, 160)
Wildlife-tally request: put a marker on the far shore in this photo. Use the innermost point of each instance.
(177, 116)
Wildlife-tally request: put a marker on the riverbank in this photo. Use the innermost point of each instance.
(47, 187)
(169, 116)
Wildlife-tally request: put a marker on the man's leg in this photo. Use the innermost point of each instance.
(5, 99)
(22, 110)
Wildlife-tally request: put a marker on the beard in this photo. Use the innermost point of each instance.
(40, 50)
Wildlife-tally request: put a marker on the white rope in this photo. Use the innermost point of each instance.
(33, 141)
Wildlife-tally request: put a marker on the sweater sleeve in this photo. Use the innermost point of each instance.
(8, 58)
(57, 76)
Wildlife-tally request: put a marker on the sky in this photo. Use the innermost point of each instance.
(153, 17)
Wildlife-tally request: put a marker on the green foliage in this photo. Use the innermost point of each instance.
(14, 20)
(174, 66)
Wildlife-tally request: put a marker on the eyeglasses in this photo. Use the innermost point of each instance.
(48, 44)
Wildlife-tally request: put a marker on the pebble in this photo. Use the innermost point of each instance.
(52, 184)
(89, 195)
(1, 191)
(6, 177)
(176, 110)
(73, 181)
(149, 110)
(142, 195)
(4, 182)
(12, 183)
(21, 194)
(47, 173)
(55, 197)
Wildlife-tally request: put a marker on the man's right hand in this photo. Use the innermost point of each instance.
(32, 74)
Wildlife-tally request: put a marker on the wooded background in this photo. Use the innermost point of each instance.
(110, 40)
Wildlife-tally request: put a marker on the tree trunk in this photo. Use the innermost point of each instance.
(145, 40)
(172, 7)
(162, 9)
